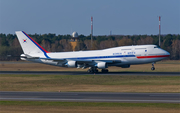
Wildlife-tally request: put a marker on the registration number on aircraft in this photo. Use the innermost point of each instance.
(117, 53)
(129, 53)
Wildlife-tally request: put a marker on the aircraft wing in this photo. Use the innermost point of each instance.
(79, 61)
(83, 60)
(65, 61)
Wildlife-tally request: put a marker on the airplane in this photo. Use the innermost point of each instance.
(93, 59)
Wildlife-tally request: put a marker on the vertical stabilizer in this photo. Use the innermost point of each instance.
(28, 45)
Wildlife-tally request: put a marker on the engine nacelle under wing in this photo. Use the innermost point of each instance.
(71, 64)
(102, 65)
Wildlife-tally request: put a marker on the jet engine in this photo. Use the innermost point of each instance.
(102, 65)
(71, 64)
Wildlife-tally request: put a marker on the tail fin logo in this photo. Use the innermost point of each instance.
(41, 48)
(24, 40)
(29, 45)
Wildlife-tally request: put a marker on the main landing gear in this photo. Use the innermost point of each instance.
(153, 68)
(92, 70)
(104, 70)
(95, 70)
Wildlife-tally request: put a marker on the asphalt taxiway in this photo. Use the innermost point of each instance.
(91, 97)
(86, 73)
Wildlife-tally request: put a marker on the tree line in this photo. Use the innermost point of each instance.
(10, 48)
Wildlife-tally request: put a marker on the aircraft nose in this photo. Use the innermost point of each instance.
(167, 54)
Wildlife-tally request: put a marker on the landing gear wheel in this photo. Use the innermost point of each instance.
(104, 70)
(153, 68)
(96, 71)
(91, 70)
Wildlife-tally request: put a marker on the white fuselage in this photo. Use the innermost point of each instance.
(126, 55)
(101, 59)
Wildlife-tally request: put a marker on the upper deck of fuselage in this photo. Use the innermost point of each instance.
(112, 49)
(103, 52)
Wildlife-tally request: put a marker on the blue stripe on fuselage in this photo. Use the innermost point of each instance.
(45, 54)
(98, 57)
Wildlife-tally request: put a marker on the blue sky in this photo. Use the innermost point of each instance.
(122, 17)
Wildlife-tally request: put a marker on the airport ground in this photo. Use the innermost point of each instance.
(89, 83)
(162, 66)
(85, 107)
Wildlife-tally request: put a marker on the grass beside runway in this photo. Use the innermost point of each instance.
(90, 104)
(81, 107)
(89, 83)
(162, 66)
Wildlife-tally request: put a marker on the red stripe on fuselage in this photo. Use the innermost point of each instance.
(36, 43)
(155, 56)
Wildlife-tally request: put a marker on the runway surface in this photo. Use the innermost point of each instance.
(86, 73)
(92, 97)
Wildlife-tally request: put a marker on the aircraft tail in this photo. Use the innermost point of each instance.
(28, 44)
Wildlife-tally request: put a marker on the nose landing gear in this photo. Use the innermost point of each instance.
(153, 68)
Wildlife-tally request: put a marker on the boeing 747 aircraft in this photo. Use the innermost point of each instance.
(94, 59)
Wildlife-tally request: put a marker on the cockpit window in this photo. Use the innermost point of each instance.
(156, 47)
